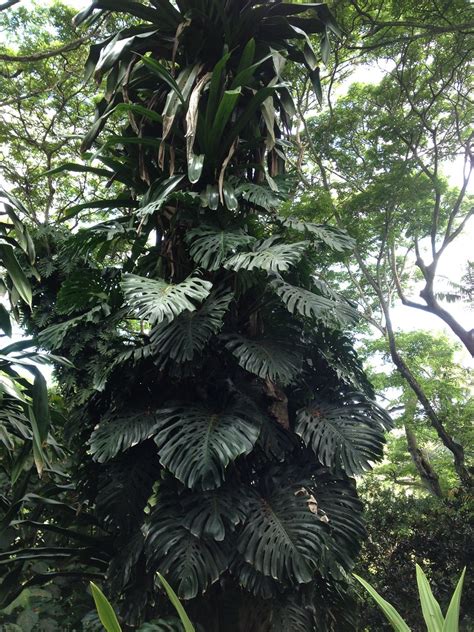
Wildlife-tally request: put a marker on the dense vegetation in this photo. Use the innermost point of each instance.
(198, 262)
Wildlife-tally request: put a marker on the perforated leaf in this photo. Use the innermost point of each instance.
(156, 300)
(117, 435)
(268, 358)
(335, 238)
(349, 436)
(298, 300)
(212, 514)
(187, 335)
(189, 563)
(269, 256)
(197, 444)
(211, 246)
(282, 537)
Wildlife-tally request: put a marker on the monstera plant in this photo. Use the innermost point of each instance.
(218, 411)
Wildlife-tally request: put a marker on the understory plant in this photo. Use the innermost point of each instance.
(432, 614)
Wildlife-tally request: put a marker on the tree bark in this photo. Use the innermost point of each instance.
(422, 463)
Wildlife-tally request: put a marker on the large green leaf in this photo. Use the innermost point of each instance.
(185, 620)
(337, 503)
(268, 255)
(451, 622)
(189, 563)
(335, 238)
(81, 291)
(350, 436)
(298, 300)
(156, 300)
(107, 615)
(214, 513)
(389, 611)
(197, 443)
(16, 274)
(119, 434)
(186, 336)
(124, 488)
(210, 246)
(269, 358)
(430, 607)
(282, 537)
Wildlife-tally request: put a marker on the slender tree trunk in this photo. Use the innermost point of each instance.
(465, 336)
(455, 448)
(422, 463)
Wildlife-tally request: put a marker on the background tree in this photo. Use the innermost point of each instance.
(379, 152)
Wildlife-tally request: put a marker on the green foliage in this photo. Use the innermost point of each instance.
(434, 620)
(189, 359)
(405, 529)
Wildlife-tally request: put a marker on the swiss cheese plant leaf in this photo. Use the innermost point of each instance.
(269, 256)
(269, 358)
(124, 487)
(215, 513)
(156, 300)
(210, 246)
(335, 238)
(282, 538)
(119, 434)
(338, 505)
(81, 291)
(187, 335)
(197, 444)
(335, 313)
(191, 564)
(350, 436)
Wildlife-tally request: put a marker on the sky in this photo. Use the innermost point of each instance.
(452, 265)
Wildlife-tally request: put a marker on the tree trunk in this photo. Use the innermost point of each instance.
(422, 463)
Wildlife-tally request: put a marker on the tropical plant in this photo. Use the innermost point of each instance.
(109, 619)
(404, 528)
(212, 373)
(434, 619)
